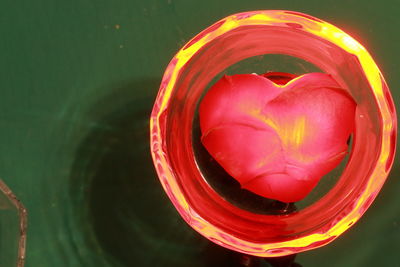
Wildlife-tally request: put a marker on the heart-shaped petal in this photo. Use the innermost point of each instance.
(277, 139)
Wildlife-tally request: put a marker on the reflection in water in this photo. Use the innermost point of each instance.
(118, 201)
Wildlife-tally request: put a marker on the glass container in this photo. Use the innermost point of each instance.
(234, 39)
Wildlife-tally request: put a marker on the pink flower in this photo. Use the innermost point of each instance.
(275, 135)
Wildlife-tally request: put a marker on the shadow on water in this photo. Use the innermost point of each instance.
(121, 207)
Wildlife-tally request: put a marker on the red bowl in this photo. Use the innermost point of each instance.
(227, 42)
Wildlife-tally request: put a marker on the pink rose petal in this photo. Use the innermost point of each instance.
(236, 94)
(231, 151)
(277, 140)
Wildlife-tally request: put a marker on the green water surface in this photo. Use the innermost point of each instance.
(78, 79)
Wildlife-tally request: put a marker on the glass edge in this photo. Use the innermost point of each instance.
(23, 215)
